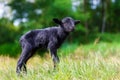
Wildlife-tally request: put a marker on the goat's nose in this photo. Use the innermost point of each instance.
(73, 26)
(72, 29)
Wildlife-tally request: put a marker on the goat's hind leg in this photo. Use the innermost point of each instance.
(21, 62)
(32, 52)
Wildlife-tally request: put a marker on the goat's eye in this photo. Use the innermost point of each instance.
(68, 20)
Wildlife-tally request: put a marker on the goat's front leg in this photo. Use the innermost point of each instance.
(54, 56)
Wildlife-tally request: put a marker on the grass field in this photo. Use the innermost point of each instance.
(95, 61)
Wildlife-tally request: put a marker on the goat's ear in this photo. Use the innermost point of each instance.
(77, 22)
(57, 21)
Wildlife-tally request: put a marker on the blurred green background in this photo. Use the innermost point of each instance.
(100, 21)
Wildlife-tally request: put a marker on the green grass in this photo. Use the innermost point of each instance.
(99, 61)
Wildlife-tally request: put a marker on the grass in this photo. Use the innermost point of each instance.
(100, 61)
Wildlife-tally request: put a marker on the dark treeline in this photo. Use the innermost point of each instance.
(97, 16)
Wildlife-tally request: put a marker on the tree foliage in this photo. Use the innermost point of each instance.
(33, 14)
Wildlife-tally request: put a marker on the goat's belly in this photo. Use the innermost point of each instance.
(42, 46)
(41, 42)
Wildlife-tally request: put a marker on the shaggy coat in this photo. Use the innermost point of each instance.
(50, 38)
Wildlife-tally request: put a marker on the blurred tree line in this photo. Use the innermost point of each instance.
(97, 16)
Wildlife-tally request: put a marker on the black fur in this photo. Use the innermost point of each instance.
(50, 38)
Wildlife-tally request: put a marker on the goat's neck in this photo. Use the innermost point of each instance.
(63, 33)
(63, 30)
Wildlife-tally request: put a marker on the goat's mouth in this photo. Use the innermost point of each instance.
(73, 29)
(70, 30)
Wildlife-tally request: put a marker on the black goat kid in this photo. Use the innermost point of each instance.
(50, 38)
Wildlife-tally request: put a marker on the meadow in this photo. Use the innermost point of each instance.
(91, 52)
(98, 60)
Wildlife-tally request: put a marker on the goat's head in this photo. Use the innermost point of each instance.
(67, 23)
